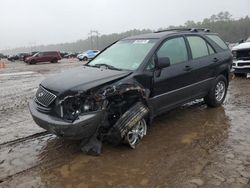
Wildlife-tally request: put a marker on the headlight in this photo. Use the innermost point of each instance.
(71, 107)
(234, 54)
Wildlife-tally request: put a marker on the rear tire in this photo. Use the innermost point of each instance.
(54, 61)
(85, 59)
(217, 93)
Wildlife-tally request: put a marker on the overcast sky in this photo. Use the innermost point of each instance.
(34, 22)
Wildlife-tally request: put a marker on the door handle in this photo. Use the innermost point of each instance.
(188, 68)
(215, 60)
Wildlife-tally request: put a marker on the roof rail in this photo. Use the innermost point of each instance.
(184, 29)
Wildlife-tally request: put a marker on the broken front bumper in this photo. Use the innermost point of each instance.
(84, 127)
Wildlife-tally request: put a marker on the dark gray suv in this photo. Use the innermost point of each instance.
(116, 95)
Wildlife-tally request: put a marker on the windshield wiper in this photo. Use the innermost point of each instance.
(106, 65)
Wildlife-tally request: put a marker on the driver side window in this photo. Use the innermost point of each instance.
(175, 49)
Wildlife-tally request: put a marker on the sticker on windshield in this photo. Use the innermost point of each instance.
(140, 41)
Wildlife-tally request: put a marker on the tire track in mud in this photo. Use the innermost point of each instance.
(38, 150)
(19, 140)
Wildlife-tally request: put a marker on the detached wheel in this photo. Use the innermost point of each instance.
(217, 93)
(136, 133)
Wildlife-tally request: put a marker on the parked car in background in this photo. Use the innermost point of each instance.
(70, 55)
(241, 55)
(2, 56)
(90, 54)
(117, 95)
(23, 56)
(50, 56)
(13, 57)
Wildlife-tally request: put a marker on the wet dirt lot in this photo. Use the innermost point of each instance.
(190, 146)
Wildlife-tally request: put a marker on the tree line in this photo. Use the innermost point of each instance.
(230, 29)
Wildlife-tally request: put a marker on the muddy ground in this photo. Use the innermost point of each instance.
(190, 146)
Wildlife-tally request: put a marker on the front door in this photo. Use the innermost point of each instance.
(171, 84)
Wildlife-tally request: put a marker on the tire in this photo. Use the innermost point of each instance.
(132, 121)
(85, 59)
(33, 62)
(54, 61)
(217, 93)
(136, 133)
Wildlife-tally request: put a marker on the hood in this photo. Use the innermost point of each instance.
(30, 57)
(242, 46)
(81, 78)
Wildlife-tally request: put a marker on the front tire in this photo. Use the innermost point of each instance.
(131, 127)
(136, 133)
(217, 93)
(85, 59)
(33, 62)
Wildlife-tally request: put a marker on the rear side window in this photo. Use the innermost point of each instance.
(218, 41)
(47, 53)
(210, 49)
(175, 49)
(198, 46)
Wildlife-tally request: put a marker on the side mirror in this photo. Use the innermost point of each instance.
(162, 62)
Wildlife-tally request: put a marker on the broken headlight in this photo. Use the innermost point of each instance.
(72, 107)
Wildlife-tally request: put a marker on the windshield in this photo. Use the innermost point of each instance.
(125, 54)
(248, 40)
(35, 54)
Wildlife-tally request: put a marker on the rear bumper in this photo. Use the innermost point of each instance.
(84, 127)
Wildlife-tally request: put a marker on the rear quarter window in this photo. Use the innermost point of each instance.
(218, 41)
(198, 46)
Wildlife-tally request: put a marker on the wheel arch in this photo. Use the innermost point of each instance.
(226, 74)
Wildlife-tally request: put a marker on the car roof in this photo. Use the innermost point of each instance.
(150, 35)
(165, 33)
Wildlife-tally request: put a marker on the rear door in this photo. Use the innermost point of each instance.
(40, 57)
(203, 64)
(171, 87)
(44, 57)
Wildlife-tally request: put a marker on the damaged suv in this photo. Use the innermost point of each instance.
(116, 95)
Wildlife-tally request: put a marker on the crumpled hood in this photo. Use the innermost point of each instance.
(81, 78)
(245, 45)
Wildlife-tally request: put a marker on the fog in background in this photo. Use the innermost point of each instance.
(35, 22)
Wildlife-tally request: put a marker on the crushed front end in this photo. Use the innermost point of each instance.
(114, 113)
(75, 116)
